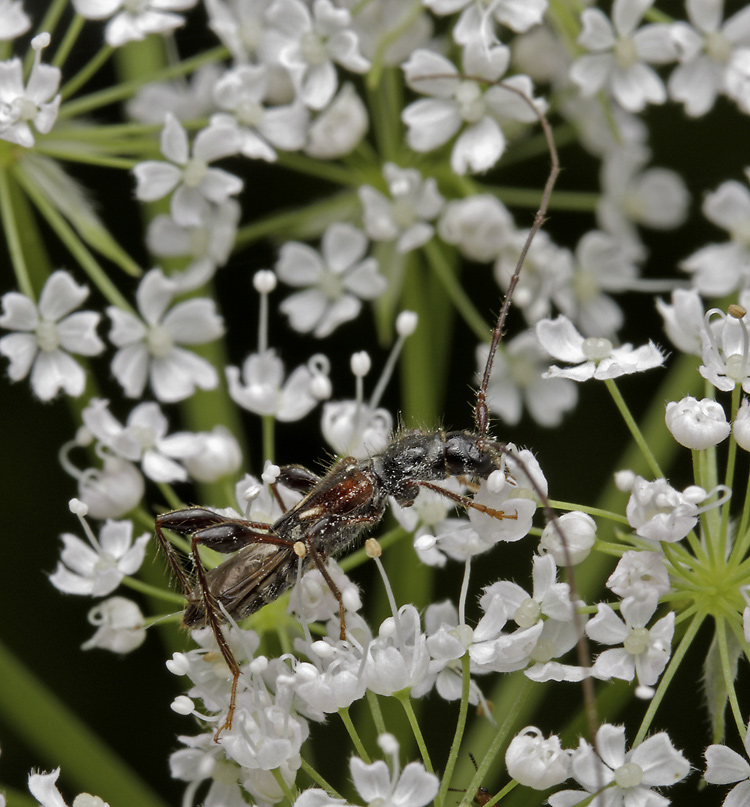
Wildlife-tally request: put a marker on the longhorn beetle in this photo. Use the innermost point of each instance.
(336, 508)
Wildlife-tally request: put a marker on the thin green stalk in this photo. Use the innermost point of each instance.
(319, 780)
(13, 238)
(726, 668)
(444, 272)
(154, 591)
(354, 735)
(281, 782)
(71, 240)
(58, 737)
(331, 172)
(268, 423)
(666, 679)
(633, 427)
(743, 536)
(356, 559)
(376, 712)
(85, 157)
(405, 699)
(458, 734)
(71, 36)
(555, 504)
(127, 89)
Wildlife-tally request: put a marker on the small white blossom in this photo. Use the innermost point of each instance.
(187, 98)
(131, 22)
(308, 40)
(14, 21)
(535, 761)
(414, 202)
(262, 388)
(242, 94)
(214, 455)
(697, 424)
(38, 102)
(709, 52)
(337, 279)
(478, 18)
(725, 767)
(96, 568)
(43, 788)
(726, 348)
(645, 651)
(657, 511)
(340, 127)
(47, 333)
(741, 426)
(592, 357)
(630, 775)
(621, 55)
(195, 184)
(633, 194)
(718, 269)
(120, 626)
(479, 225)
(394, 23)
(518, 380)
(579, 534)
(112, 491)
(462, 104)
(398, 657)
(683, 320)
(353, 428)
(149, 348)
(641, 576)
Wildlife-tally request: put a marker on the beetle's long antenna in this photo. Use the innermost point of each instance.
(481, 413)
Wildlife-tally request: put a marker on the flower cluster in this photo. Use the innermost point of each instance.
(355, 155)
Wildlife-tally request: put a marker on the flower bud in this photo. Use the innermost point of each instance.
(579, 531)
(120, 626)
(113, 491)
(741, 426)
(536, 762)
(697, 424)
(217, 455)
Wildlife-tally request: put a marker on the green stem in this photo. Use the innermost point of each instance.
(59, 737)
(458, 734)
(154, 591)
(376, 712)
(405, 700)
(319, 780)
(354, 735)
(69, 40)
(592, 511)
(633, 427)
(726, 669)
(13, 237)
(666, 679)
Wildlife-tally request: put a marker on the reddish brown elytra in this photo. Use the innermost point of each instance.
(334, 510)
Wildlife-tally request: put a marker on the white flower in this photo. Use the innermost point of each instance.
(719, 269)
(242, 92)
(477, 19)
(602, 263)
(307, 41)
(654, 197)
(578, 533)
(144, 439)
(204, 759)
(398, 26)
(459, 103)
(194, 183)
(709, 52)
(726, 348)
(112, 491)
(725, 766)
(621, 54)
(629, 774)
(697, 424)
(546, 627)
(187, 98)
(535, 762)
(211, 240)
(340, 127)
(517, 380)
(37, 102)
(43, 788)
(338, 279)
(547, 270)
(683, 320)
(641, 576)
(414, 201)
(214, 455)
(150, 348)
(263, 390)
(47, 333)
(120, 626)
(479, 225)
(333, 682)
(593, 357)
(398, 657)
(13, 19)
(97, 568)
(657, 511)
(645, 651)
(133, 22)
(741, 426)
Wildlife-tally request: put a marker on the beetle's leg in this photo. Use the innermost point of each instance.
(466, 502)
(294, 477)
